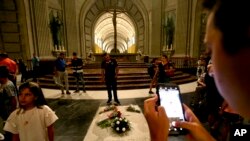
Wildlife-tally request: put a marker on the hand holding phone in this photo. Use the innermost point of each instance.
(170, 99)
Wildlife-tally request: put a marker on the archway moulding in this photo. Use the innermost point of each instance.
(92, 10)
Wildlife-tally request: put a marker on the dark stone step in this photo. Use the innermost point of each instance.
(128, 78)
(94, 74)
(98, 82)
(99, 87)
(121, 86)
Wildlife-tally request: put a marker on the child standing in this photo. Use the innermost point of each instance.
(34, 119)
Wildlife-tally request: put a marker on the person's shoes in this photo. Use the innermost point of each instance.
(109, 102)
(117, 103)
(151, 92)
(68, 92)
(76, 91)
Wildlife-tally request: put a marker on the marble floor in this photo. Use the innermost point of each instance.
(76, 111)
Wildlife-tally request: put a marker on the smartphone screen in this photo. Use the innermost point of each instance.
(169, 98)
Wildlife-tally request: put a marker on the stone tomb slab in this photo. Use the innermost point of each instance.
(139, 127)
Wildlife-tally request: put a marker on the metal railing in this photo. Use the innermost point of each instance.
(184, 62)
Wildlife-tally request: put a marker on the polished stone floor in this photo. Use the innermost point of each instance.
(76, 111)
(75, 116)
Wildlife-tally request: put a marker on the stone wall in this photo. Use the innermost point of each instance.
(24, 27)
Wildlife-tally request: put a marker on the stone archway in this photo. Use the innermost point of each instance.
(91, 10)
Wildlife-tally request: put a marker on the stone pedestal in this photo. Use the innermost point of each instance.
(169, 52)
(56, 53)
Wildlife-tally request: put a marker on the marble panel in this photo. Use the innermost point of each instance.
(139, 128)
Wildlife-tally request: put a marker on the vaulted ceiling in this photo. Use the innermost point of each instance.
(97, 26)
(104, 32)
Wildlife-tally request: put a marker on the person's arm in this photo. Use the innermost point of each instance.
(12, 94)
(156, 73)
(201, 83)
(55, 71)
(17, 70)
(13, 103)
(37, 59)
(116, 68)
(158, 121)
(196, 131)
(103, 73)
(116, 71)
(51, 132)
(15, 137)
(55, 68)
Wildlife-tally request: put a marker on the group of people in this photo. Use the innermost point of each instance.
(229, 51)
(109, 73)
(61, 74)
(209, 106)
(24, 111)
(11, 66)
(160, 71)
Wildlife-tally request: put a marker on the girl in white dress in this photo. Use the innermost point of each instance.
(34, 120)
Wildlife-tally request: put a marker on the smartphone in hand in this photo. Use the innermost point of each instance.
(170, 99)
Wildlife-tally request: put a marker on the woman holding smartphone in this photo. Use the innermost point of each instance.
(228, 52)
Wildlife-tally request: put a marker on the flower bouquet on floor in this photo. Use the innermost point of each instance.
(107, 121)
(131, 108)
(115, 114)
(108, 108)
(120, 125)
(115, 120)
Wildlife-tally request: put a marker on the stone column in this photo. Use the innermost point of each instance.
(41, 26)
(156, 28)
(182, 28)
(72, 39)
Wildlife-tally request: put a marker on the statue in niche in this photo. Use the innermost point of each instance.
(56, 29)
(169, 28)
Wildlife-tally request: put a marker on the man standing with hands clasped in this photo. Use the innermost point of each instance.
(109, 75)
(77, 67)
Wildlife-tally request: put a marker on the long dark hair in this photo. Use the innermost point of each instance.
(36, 91)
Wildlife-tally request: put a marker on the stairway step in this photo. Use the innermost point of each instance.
(87, 82)
(131, 76)
(99, 87)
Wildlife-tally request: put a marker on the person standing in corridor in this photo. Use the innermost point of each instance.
(109, 76)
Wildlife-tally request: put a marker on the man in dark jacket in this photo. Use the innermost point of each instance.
(109, 75)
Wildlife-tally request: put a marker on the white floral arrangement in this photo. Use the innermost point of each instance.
(114, 120)
(120, 125)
